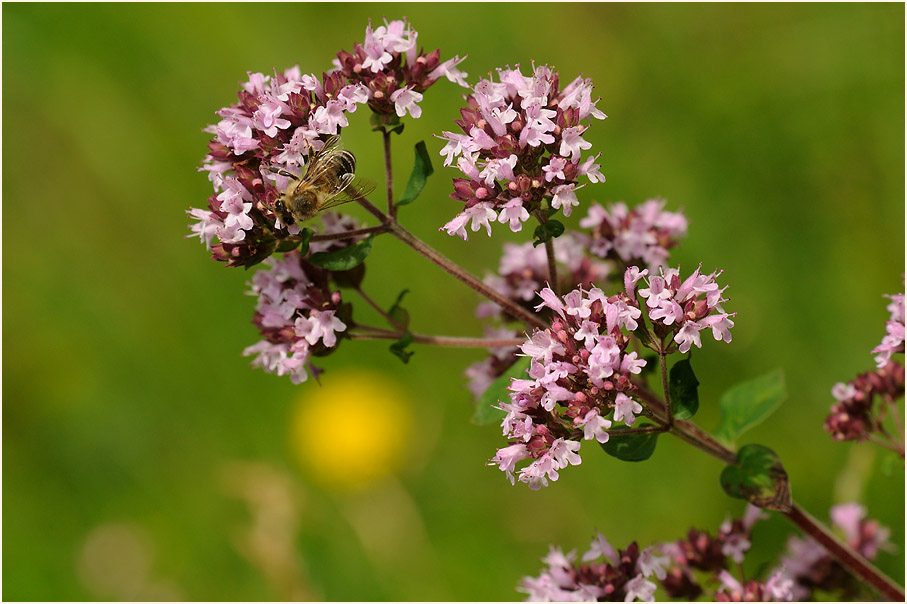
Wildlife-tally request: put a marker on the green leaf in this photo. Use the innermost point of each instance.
(748, 403)
(485, 412)
(306, 235)
(758, 477)
(292, 242)
(684, 390)
(343, 259)
(547, 231)
(399, 347)
(398, 313)
(389, 122)
(631, 447)
(422, 169)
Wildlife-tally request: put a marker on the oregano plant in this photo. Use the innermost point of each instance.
(590, 332)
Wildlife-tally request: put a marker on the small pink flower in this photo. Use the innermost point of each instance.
(514, 212)
(555, 168)
(404, 100)
(649, 564)
(564, 199)
(573, 144)
(594, 426)
(638, 588)
(457, 226)
(507, 458)
(625, 409)
(481, 214)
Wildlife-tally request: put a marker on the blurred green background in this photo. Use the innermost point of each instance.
(144, 459)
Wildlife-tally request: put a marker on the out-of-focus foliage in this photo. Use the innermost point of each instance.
(138, 444)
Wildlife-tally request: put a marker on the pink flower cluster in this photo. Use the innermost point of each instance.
(281, 119)
(682, 308)
(852, 417)
(639, 236)
(579, 384)
(603, 573)
(297, 315)
(278, 122)
(855, 416)
(522, 272)
(894, 338)
(522, 143)
(809, 567)
(390, 66)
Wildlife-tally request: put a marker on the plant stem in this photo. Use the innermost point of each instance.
(389, 176)
(552, 266)
(378, 330)
(450, 341)
(643, 430)
(887, 444)
(662, 360)
(349, 234)
(897, 419)
(421, 247)
(380, 310)
(542, 217)
(851, 560)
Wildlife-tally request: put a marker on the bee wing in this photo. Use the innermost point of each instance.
(317, 161)
(350, 189)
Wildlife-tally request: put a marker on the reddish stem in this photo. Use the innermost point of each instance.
(349, 234)
(457, 342)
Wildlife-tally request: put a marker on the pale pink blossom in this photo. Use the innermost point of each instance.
(404, 100)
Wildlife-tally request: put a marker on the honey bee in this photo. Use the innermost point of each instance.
(329, 180)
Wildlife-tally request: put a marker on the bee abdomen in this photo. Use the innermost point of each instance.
(346, 162)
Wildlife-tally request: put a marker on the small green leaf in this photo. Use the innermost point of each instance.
(287, 245)
(631, 447)
(485, 412)
(748, 403)
(422, 169)
(399, 347)
(388, 122)
(398, 313)
(306, 235)
(684, 390)
(758, 477)
(651, 359)
(547, 231)
(292, 242)
(343, 259)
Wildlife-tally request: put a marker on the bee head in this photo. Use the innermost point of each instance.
(280, 208)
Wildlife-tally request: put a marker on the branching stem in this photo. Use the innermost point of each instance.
(663, 362)
(450, 341)
(452, 268)
(349, 234)
(380, 310)
(843, 553)
(389, 176)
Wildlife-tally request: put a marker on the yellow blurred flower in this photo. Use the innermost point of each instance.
(352, 430)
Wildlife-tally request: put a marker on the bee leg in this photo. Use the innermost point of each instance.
(274, 170)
